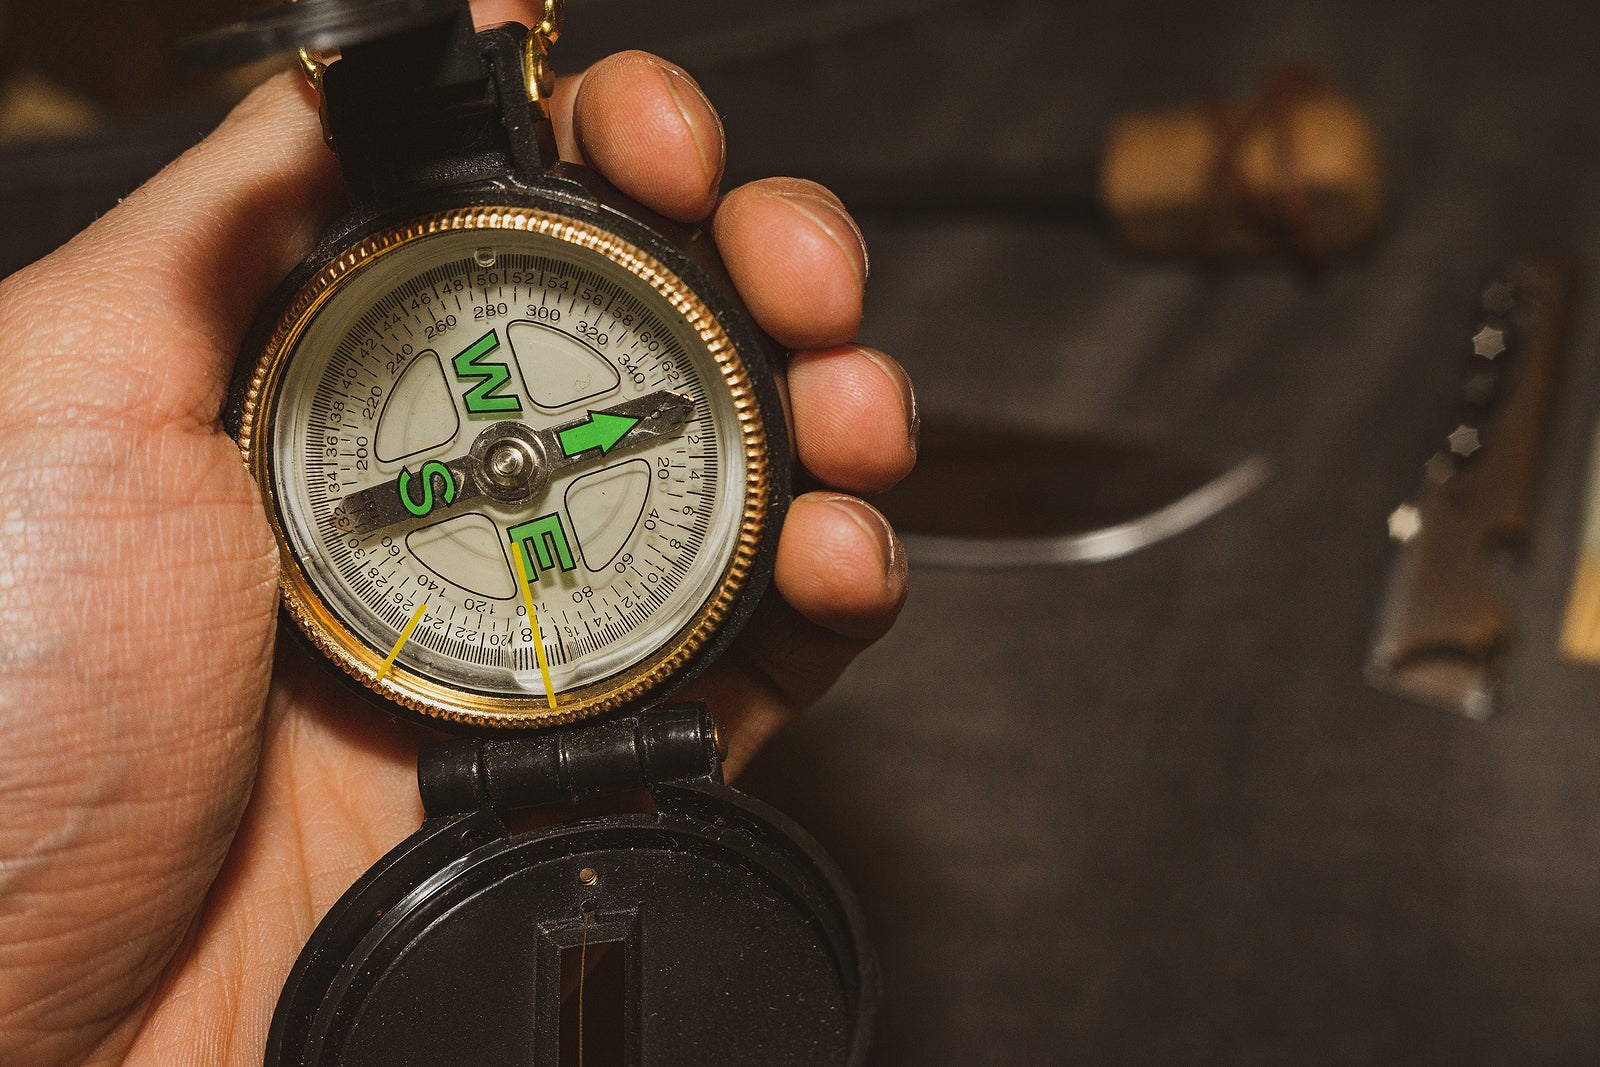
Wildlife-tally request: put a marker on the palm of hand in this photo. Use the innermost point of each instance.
(140, 544)
(138, 584)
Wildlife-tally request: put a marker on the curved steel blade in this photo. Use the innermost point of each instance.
(985, 497)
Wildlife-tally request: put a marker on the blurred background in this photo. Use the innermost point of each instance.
(1141, 810)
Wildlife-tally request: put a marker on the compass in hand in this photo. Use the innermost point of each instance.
(521, 461)
(524, 457)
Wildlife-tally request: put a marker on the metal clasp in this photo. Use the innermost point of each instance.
(537, 72)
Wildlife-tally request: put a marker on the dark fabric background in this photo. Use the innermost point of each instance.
(1145, 811)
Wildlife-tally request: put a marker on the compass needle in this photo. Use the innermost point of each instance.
(514, 463)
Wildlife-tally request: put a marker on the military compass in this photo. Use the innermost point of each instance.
(525, 460)
(518, 470)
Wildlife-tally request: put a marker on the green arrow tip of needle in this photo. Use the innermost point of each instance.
(601, 430)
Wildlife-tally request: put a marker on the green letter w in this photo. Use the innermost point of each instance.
(491, 375)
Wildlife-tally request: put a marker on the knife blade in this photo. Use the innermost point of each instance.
(988, 496)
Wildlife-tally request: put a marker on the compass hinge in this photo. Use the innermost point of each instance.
(671, 743)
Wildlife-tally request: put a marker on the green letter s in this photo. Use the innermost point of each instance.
(430, 470)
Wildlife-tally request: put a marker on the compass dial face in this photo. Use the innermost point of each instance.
(516, 467)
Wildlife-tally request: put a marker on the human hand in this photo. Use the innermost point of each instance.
(138, 575)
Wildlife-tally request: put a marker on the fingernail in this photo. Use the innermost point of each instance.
(694, 106)
(902, 384)
(837, 224)
(875, 526)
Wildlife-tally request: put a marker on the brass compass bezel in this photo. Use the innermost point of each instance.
(457, 708)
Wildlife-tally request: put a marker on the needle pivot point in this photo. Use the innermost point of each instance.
(510, 464)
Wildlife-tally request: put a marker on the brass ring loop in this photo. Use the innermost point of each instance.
(549, 27)
(313, 66)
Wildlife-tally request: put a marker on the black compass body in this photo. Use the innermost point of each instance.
(525, 459)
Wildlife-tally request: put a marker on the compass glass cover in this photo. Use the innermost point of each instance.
(472, 421)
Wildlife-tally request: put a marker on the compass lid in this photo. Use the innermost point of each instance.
(314, 25)
(712, 931)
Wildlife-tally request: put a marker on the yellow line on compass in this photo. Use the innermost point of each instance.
(533, 623)
(405, 635)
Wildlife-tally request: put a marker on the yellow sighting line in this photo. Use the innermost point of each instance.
(405, 635)
(533, 622)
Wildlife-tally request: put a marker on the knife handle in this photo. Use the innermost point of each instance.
(1444, 622)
